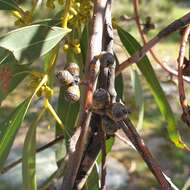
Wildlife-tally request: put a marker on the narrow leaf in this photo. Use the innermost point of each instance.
(29, 156)
(93, 180)
(119, 85)
(9, 128)
(139, 99)
(68, 112)
(34, 41)
(8, 5)
(146, 69)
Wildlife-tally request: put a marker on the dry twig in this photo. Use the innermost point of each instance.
(144, 39)
(139, 144)
(18, 161)
(182, 97)
(177, 24)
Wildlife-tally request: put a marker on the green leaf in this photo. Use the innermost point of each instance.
(93, 180)
(139, 99)
(9, 128)
(146, 69)
(119, 86)
(11, 73)
(31, 42)
(68, 113)
(8, 5)
(29, 156)
(50, 58)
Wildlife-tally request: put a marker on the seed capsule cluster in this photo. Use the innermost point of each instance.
(101, 99)
(69, 78)
(111, 113)
(109, 126)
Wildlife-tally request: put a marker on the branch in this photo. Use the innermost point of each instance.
(103, 162)
(51, 143)
(144, 39)
(139, 144)
(179, 23)
(91, 73)
(90, 155)
(182, 97)
(107, 81)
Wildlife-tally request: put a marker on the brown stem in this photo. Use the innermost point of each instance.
(90, 155)
(181, 89)
(103, 163)
(139, 144)
(13, 164)
(144, 39)
(91, 73)
(179, 23)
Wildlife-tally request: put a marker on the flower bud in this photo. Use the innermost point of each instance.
(66, 47)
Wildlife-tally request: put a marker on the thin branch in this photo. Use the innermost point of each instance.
(108, 84)
(90, 155)
(51, 143)
(139, 144)
(91, 73)
(182, 97)
(103, 163)
(177, 24)
(144, 39)
(124, 140)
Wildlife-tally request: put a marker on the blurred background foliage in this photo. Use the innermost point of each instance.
(175, 162)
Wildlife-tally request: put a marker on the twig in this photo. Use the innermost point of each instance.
(182, 97)
(51, 143)
(124, 140)
(179, 23)
(139, 144)
(106, 71)
(186, 185)
(104, 155)
(144, 39)
(91, 73)
(107, 74)
(90, 155)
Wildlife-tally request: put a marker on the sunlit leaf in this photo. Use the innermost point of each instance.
(8, 5)
(146, 69)
(139, 99)
(93, 180)
(30, 42)
(50, 58)
(9, 128)
(29, 156)
(68, 113)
